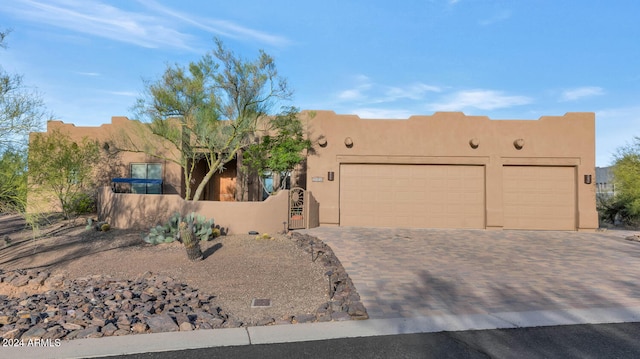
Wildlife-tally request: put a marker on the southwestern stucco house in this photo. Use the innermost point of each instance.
(447, 170)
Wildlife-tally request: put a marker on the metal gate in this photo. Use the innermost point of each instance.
(297, 208)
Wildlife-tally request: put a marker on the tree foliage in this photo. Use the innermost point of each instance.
(209, 110)
(13, 181)
(62, 167)
(21, 109)
(626, 172)
(281, 149)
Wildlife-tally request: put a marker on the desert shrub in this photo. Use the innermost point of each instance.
(81, 203)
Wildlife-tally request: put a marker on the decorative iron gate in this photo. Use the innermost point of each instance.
(297, 209)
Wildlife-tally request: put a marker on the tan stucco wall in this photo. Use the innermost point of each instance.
(444, 138)
(126, 211)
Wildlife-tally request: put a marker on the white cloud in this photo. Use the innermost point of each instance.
(142, 29)
(414, 91)
(500, 16)
(357, 93)
(480, 99)
(91, 74)
(220, 27)
(350, 95)
(367, 92)
(580, 92)
(381, 113)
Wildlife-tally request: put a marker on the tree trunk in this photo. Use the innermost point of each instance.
(205, 181)
(241, 178)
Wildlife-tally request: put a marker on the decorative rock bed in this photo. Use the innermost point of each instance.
(99, 306)
(345, 301)
(41, 306)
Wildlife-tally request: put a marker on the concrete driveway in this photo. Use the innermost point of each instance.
(408, 273)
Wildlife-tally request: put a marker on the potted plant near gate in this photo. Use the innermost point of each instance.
(191, 244)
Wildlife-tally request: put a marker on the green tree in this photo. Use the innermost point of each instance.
(21, 109)
(60, 166)
(281, 149)
(209, 110)
(13, 181)
(626, 172)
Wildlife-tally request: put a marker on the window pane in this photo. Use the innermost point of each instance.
(154, 171)
(148, 171)
(138, 170)
(154, 189)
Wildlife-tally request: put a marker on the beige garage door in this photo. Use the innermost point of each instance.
(539, 197)
(420, 196)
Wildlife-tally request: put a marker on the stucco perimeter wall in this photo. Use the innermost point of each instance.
(447, 138)
(136, 211)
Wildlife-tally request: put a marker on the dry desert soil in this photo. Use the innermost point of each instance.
(235, 268)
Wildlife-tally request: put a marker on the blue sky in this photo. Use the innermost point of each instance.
(379, 59)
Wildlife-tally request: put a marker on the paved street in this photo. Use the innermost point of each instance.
(425, 272)
(561, 342)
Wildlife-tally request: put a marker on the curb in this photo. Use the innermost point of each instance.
(160, 342)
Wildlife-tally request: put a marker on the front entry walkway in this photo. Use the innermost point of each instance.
(405, 273)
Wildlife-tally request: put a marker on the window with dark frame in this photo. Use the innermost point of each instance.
(146, 171)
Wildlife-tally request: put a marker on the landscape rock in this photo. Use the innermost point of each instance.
(34, 333)
(95, 306)
(186, 326)
(162, 323)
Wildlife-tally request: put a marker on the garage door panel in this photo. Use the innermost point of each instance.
(428, 196)
(536, 197)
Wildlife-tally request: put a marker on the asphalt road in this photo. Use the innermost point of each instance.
(571, 341)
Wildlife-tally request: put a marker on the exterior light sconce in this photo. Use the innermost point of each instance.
(322, 142)
(518, 144)
(348, 142)
(330, 175)
(474, 143)
(587, 179)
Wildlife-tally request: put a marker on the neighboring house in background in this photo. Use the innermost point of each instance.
(447, 170)
(604, 182)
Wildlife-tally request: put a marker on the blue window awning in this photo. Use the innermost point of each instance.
(137, 180)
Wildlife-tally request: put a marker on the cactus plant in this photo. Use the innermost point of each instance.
(191, 245)
(202, 229)
(97, 225)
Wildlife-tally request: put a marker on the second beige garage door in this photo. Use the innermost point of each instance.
(539, 197)
(420, 196)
